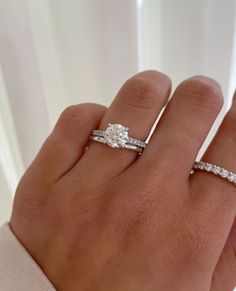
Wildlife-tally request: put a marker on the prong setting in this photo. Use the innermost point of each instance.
(116, 136)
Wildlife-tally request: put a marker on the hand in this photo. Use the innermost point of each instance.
(107, 219)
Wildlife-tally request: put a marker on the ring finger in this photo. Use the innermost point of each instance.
(136, 106)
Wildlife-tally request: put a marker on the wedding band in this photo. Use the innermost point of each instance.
(116, 136)
(219, 171)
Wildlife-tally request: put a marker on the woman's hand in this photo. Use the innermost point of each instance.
(107, 219)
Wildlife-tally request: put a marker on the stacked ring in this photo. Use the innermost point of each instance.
(116, 136)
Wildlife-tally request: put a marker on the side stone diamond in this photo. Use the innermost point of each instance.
(231, 177)
(207, 167)
(201, 165)
(216, 170)
(234, 178)
(224, 173)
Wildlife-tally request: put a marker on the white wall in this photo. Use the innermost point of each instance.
(54, 54)
(187, 37)
(57, 53)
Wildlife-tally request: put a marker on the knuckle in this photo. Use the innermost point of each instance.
(141, 94)
(203, 92)
(76, 111)
(71, 112)
(79, 114)
(70, 121)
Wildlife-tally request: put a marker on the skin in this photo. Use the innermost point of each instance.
(104, 219)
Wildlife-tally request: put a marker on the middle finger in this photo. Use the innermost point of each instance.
(184, 126)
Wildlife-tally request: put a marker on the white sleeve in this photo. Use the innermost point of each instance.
(18, 270)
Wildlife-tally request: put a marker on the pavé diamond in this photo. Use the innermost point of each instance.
(201, 165)
(208, 167)
(234, 179)
(224, 173)
(231, 177)
(216, 170)
(116, 135)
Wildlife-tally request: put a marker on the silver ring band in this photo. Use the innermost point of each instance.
(116, 136)
(214, 169)
(127, 146)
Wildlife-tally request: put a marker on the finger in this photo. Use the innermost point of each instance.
(136, 106)
(224, 277)
(221, 152)
(217, 196)
(67, 142)
(184, 126)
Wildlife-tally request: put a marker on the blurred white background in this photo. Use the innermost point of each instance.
(55, 53)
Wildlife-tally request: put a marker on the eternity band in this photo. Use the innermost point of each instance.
(219, 171)
(116, 136)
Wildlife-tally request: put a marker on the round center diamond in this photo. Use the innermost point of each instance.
(116, 135)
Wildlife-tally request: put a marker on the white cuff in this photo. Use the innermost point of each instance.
(18, 270)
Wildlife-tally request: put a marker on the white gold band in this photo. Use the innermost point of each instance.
(211, 168)
(126, 146)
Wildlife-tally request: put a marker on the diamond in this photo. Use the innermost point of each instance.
(216, 170)
(201, 166)
(116, 135)
(208, 167)
(224, 173)
(231, 177)
(234, 178)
